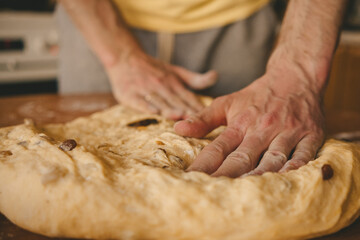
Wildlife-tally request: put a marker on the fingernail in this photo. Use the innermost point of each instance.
(189, 120)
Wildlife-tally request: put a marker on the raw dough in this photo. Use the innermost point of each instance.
(124, 179)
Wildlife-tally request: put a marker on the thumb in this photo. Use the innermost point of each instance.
(196, 80)
(204, 122)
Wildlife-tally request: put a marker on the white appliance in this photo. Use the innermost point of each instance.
(28, 47)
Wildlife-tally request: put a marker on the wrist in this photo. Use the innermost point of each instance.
(126, 65)
(121, 56)
(289, 64)
(118, 48)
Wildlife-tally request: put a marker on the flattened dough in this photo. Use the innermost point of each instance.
(125, 180)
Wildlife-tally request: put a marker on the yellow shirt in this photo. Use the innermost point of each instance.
(180, 16)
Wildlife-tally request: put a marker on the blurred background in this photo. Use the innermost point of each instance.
(29, 49)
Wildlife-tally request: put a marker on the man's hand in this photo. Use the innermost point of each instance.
(267, 121)
(137, 79)
(278, 118)
(149, 85)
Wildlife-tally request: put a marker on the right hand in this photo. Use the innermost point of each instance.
(149, 85)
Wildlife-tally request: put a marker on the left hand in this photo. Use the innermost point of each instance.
(149, 85)
(274, 124)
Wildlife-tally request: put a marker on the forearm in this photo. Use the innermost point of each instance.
(103, 29)
(308, 39)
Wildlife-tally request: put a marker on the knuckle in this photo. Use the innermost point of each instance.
(156, 79)
(243, 120)
(296, 163)
(217, 148)
(240, 158)
(211, 159)
(293, 123)
(247, 117)
(253, 110)
(276, 155)
(269, 119)
(232, 133)
(315, 138)
(291, 165)
(304, 152)
(302, 161)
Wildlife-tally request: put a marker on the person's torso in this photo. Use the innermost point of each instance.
(180, 16)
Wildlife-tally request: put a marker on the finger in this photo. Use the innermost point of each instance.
(170, 97)
(163, 106)
(277, 154)
(202, 123)
(188, 97)
(305, 151)
(139, 103)
(196, 80)
(244, 158)
(211, 157)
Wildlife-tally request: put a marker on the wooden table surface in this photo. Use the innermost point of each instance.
(56, 109)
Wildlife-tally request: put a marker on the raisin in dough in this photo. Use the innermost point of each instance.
(124, 178)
